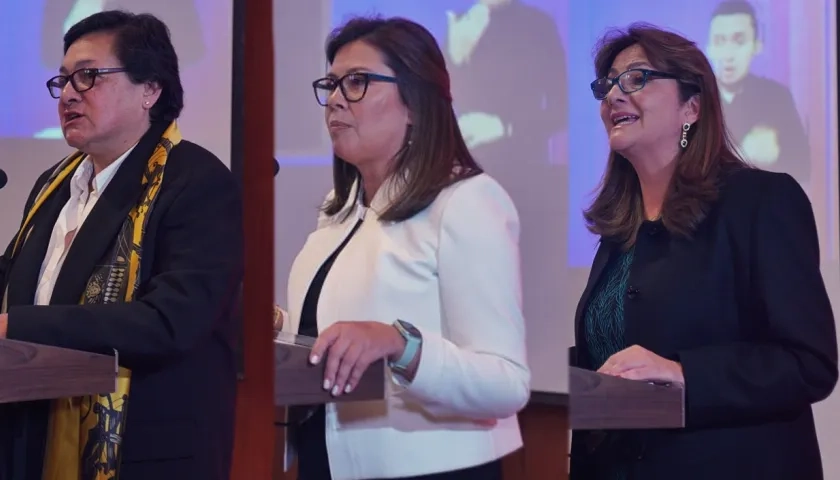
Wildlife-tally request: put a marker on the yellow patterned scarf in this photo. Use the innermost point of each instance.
(85, 433)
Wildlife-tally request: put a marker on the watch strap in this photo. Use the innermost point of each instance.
(412, 344)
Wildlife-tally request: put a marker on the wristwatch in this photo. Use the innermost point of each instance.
(413, 340)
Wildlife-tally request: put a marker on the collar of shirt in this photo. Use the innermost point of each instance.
(82, 185)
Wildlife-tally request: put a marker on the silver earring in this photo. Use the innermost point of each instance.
(684, 141)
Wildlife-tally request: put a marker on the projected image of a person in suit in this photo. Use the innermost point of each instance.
(488, 44)
(760, 112)
(508, 69)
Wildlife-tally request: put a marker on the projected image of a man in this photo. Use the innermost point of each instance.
(508, 67)
(760, 112)
(516, 48)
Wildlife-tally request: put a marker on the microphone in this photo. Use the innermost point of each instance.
(3, 178)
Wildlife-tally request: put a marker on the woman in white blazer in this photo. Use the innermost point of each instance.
(415, 259)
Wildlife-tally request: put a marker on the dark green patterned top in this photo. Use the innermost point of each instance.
(604, 329)
(604, 317)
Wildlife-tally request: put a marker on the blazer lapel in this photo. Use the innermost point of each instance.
(602, 257)
(26, 266)
(103, 224)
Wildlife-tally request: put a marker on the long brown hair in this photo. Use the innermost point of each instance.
(434, 154)
(617, 211)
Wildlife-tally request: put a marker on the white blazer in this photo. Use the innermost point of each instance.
(453, 272)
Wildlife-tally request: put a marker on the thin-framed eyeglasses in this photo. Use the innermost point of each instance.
(353, 86)
(630, 81)
(81, 80)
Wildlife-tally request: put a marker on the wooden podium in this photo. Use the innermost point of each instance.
(603, 402)
(29, 371)
(298, 382)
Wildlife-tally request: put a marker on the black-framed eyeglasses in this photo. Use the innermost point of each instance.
(353, 86)
(630, 81)
(82, 80)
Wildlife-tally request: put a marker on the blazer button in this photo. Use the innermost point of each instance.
(632, 292)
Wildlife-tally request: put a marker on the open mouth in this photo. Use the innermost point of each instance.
(625, 120)
(69, 117)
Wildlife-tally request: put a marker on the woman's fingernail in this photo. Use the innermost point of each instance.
(348, 388)
(335, 391)
(326, 384)
(314, 359)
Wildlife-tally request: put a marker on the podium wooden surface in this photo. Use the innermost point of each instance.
(599, 401)
(298, 382)
(29, 371)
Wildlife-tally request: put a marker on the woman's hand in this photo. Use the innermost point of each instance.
(350, 347)
(279, 318)
(638, 363)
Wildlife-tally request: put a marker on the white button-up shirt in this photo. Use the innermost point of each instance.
(85, 190)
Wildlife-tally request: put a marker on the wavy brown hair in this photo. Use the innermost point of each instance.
(434, 154)
(617, 211)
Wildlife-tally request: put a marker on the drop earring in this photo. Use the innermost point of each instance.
(684, 141)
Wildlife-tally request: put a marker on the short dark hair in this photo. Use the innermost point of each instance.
(617, 211)
(735, 7)
(434, 154)
(143, 46)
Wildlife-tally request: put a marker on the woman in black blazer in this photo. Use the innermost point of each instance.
(707, 275)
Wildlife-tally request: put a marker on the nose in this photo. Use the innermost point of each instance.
(336, 99)
(69, 94)
(615, 94)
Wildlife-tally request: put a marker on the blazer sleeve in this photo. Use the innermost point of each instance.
(794, 364)
(6, 257)
(5, 265)
(479, 368)
(196, 273)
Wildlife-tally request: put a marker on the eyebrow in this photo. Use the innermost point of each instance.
(76, 66)
(633, 65)
(350, 70)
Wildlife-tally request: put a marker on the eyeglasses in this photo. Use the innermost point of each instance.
(630, 81)
(353, 86)
(82, 80)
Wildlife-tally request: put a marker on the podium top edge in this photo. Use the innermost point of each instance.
(287, 338)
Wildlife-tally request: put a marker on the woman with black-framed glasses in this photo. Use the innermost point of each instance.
(628, 81)
(353, 86)
(81, 80)
(415, 260)
(76, 275)
(706, 279)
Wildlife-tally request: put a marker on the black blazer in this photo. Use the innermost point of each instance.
(178, 337)
(742, 306)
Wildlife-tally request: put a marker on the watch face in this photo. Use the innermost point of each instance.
(411, 329)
